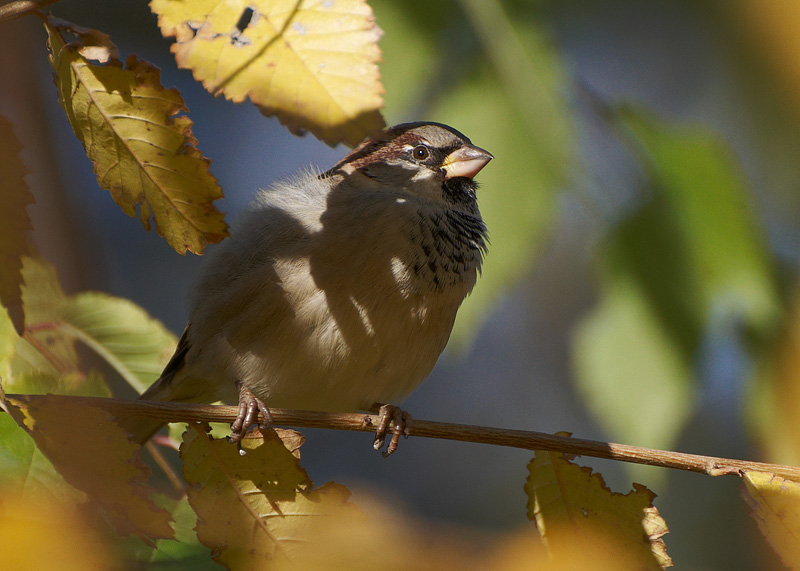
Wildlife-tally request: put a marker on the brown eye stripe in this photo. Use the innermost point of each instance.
(380, 150)
(399, 142)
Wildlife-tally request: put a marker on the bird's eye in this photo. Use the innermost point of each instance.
(420, 152)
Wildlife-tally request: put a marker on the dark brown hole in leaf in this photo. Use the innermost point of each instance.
(244, 19)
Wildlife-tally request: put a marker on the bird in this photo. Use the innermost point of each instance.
(337, 290)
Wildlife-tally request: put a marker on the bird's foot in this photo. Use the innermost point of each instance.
(249, 407)
(401, 426)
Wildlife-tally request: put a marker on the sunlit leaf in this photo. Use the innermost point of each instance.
(44, 360)
(775, 397)
(771, 25)
(95, 456)
(259, 507)
(14, 222)
(311, 63)
(775, 505)
(575, 510)
(141, 145)
(262, 511)
(8, 337)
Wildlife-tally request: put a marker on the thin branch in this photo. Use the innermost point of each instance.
(18, 8)
(162, 463)
(528, 440)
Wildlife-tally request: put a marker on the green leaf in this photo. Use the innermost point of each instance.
(46, 350)
(42, 295)
(651, 250)
(693, 248)
(45, 359)
(408, 65)
(629, 370)
(705, 189)
(26, 472)
(511, 104)
(23, 369)
(183, 552)
(516, 194)
(122, 333)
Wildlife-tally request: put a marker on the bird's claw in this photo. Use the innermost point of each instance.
(401, 426)
(249, 407)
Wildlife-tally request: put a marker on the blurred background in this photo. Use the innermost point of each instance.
(641, 286)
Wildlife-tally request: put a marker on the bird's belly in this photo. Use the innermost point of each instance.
(343, 360)
(326, 341)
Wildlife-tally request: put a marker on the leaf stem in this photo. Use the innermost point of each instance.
(361, 422)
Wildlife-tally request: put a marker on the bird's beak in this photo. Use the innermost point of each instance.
(466, 161)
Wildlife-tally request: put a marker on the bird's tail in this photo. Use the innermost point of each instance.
(141, 429)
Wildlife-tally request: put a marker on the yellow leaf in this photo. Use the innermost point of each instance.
(93, 44)
(775, 505)
(94, 455)
(774, 36)
(309, 62)
(14, 222)
(777, 397)
(575, 511)
(132, 129)
(592, 550)
(390, 540)
(38, 534)
(259, 507)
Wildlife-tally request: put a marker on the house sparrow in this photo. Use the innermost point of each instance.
(336, 291)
